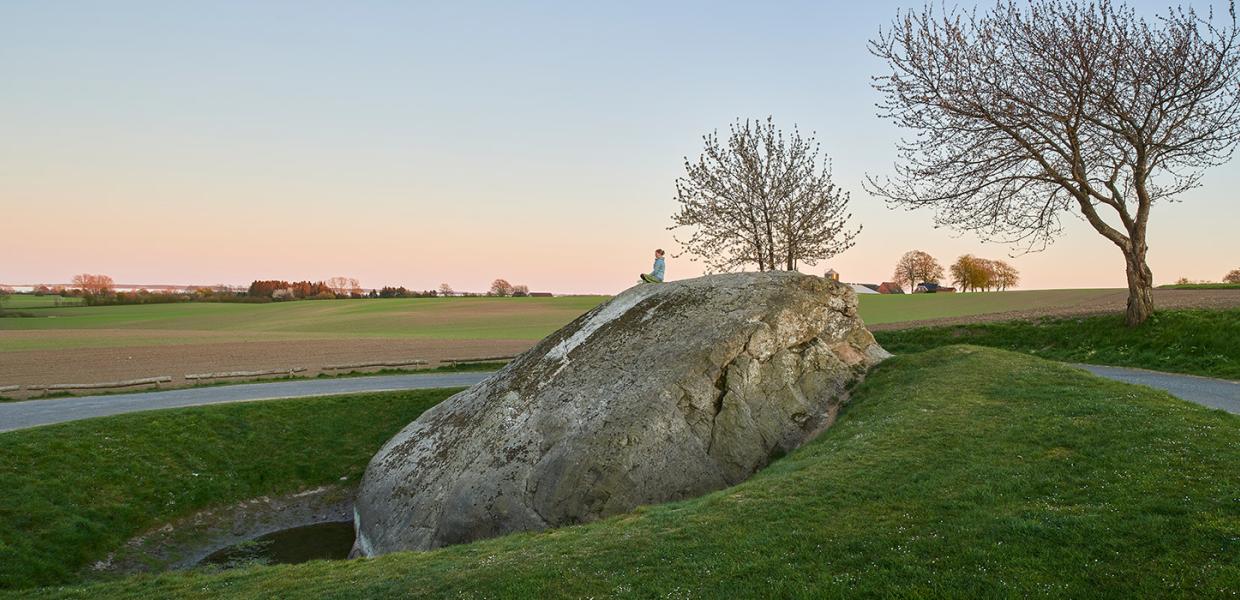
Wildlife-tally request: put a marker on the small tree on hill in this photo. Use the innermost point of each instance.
(500, 287)
(1033, 108)
(1232, 277)
(446, 290)
(520, 291)
(917, 266)
(761, 197)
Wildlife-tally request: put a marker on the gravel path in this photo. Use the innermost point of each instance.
(1215, 393)
(32, 413)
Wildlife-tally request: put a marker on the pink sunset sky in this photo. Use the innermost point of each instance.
(454, 144)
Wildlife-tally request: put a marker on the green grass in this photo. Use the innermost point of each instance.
(959, 472)
(1197, 342)
(1200, 286)
(71, 493)
(24, 301)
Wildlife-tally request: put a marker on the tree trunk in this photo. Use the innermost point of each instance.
(1140, 285)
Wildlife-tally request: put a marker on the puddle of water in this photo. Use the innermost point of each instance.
(330, 541)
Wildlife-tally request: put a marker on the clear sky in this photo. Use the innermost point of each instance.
(419, 143)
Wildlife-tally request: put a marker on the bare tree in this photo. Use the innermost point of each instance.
(500, 287)
(520, 291)
(446, 290)
(1232, 277)
(916, 266)
(1030, 109)
(761, 197)
(93, 285)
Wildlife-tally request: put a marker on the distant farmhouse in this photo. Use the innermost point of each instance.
(886, 287)
(926, 287)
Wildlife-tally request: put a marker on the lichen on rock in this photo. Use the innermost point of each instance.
(664, 392)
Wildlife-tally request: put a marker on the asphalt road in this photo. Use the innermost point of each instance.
(32, 413)
(1216, 393)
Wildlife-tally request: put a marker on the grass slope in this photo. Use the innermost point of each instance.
(71, 493)
(958, 472)
(1198, 342)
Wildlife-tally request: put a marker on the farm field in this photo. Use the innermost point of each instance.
(24, 301)
(109, 343)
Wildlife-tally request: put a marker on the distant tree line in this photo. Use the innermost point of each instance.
(98, 290)
(501, 287)
(968, 272)
(982, 274)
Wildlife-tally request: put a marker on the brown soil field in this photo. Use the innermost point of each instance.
(90, 365)
(1109, 304)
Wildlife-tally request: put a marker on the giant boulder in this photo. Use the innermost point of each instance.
(665, 392)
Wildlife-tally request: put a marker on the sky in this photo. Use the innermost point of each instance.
(423, 143)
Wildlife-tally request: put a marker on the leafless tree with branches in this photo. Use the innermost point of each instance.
(1030, 109)
(761, 197)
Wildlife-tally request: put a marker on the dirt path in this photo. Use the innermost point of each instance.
(1109, 304)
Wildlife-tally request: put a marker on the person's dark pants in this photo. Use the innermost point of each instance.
(646, 277)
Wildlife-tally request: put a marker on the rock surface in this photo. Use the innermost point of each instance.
(665, 392)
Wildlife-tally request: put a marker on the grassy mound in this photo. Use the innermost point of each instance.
(71, 493)
(1198, 342)
(958, 472)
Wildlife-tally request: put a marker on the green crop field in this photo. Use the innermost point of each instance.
(877, 309)
(426, 318)
(24, 301)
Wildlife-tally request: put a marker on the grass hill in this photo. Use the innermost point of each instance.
(1197, 342)
(960, 472)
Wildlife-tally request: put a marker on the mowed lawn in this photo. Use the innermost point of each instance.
(425, 318)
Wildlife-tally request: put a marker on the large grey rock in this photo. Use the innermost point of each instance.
(665, 392)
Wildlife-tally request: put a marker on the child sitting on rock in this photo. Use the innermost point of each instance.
(655, 276)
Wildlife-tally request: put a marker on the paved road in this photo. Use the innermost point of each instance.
(1215, 393)
(32, 413)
